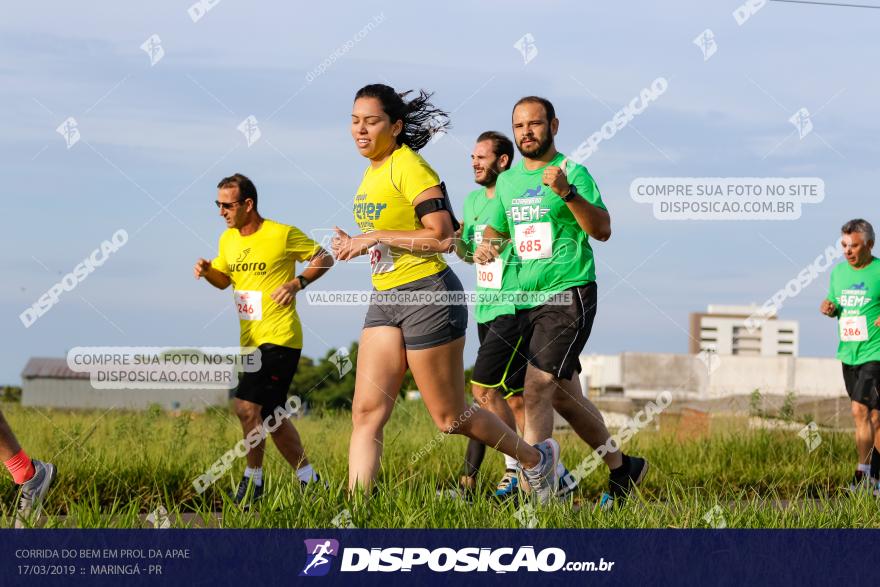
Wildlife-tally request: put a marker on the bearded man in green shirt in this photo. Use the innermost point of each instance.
(547, 208)
(499, 372)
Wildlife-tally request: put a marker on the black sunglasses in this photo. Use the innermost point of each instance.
(227, 205)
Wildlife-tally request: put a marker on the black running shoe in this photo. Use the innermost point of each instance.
(242, 493)
(623, 480)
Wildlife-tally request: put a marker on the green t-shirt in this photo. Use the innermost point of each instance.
(493, 279)
(856, 292)
(554, 251)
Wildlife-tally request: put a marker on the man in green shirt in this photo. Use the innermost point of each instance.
(499, 371)
(854, 299)
(547, 208)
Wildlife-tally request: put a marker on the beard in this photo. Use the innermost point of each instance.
(539, 150)
(490, 177)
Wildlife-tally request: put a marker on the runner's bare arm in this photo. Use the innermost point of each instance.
(461, 249)
(593, 220)
(491, 246)
(319, 264)
(828, 308)
(436, 236)
(216, 278)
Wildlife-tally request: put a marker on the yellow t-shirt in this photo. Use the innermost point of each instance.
(384, 201)
(258, 264)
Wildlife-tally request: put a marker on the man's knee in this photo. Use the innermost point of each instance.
(539, 384)
(482, 395)
(247, 411)
(860, 412)
(515, 402)
(452, 423)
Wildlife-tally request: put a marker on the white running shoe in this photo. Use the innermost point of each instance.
(544, 481)
(32, 493)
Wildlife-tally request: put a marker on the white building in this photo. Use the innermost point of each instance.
(724, 330)
(708, 376)
(50, 383)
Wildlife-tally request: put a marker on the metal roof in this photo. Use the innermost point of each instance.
(50, 367)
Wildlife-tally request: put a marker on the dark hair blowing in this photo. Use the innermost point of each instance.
(548, 106)
(246, 188)
(501, 145)
(421, 119)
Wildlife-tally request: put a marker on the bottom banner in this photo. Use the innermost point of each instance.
(365, 557)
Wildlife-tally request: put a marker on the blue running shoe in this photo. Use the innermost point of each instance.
(508, 486)
(567, 484)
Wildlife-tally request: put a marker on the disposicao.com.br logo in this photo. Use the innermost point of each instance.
(442, 560)
(318, 553)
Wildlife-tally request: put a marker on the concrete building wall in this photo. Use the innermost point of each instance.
(819, 376)
(79, 394)
(742, 374)
(646, 373)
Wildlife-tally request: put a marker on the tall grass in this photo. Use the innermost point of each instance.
(116, 467)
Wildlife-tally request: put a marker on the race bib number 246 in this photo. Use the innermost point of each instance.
(249, 304)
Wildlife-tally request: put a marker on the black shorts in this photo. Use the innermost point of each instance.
(501, 360)
(269, 386)
(862, 382)
(555, 334)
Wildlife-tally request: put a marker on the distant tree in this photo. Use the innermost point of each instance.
(11, 393)
(318, 382)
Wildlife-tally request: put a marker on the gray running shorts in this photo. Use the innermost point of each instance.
(411, 308)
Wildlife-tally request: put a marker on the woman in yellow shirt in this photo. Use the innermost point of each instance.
(407, 225)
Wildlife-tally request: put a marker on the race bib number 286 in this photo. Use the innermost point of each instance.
(853, 329)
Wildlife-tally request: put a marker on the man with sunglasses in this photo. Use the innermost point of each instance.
(258, 257)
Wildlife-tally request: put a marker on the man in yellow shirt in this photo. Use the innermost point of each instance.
(258, 256)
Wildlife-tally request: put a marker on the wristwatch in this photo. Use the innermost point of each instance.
(303, 281)
(572, 192)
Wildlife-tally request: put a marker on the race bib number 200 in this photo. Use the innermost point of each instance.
(249, 304)
(534, 240)
(853, 329)
(489, 275)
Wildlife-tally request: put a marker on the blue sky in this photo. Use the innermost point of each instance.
(162, 135)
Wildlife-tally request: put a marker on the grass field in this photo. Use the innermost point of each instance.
(116, 467)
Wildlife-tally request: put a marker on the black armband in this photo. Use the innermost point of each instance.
(437, 204)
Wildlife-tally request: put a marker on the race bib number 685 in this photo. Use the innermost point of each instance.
(534, 240)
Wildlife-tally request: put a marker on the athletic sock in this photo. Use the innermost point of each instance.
(537, 468)
(875, 464)
(255, 475)
(623, 469)
(864, 468)
(510, 463)
(20, 467)
(473, 457)
(306, 474)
